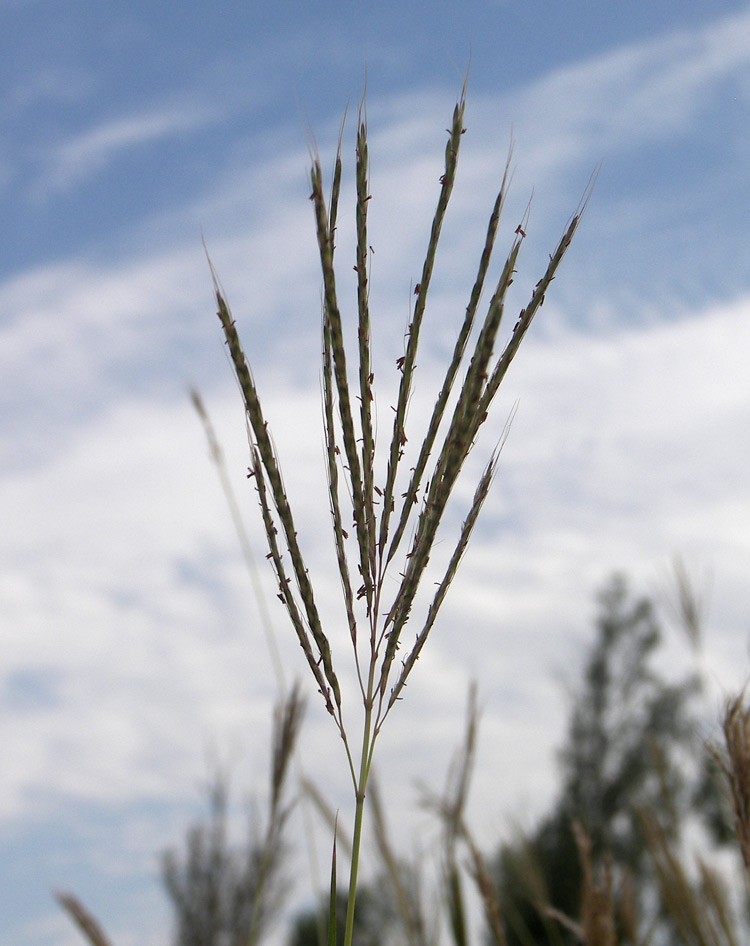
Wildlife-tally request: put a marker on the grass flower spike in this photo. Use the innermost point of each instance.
(382, 526)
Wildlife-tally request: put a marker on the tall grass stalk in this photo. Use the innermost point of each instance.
(450, 808)
(219, 461)
(398, 516)
(85, 921)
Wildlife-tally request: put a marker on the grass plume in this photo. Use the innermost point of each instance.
(381, 517)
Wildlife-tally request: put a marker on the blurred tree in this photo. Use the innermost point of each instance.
(226, 894)
(631, 734)
(370, 921)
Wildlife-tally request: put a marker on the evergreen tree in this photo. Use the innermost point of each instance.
(631, 733)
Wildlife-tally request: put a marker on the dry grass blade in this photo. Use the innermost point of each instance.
(487, 892)
(455, 901)
(690, 913)
(459, 777)
(598, 918)
(596, 926)
(450, 809)
(689, 605)
(85, 922)
(287, 721)
(406, 897)
(735, 764)
(714, 895)
(628, 912)
(217, 455)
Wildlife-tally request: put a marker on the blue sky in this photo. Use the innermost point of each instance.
(130, 647)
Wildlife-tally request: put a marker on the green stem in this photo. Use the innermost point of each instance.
(360, 791)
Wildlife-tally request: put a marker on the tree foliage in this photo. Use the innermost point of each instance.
(224, 893)
(631, 736)
(214, 885)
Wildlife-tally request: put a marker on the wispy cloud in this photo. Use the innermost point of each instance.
(76, 158)
(651, 91)
(50, 83)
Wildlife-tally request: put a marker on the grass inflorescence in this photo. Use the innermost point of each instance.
(388, 521)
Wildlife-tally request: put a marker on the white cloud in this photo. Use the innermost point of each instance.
(647, 92)
(47, 84)
(126, 583)
(86, 153)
